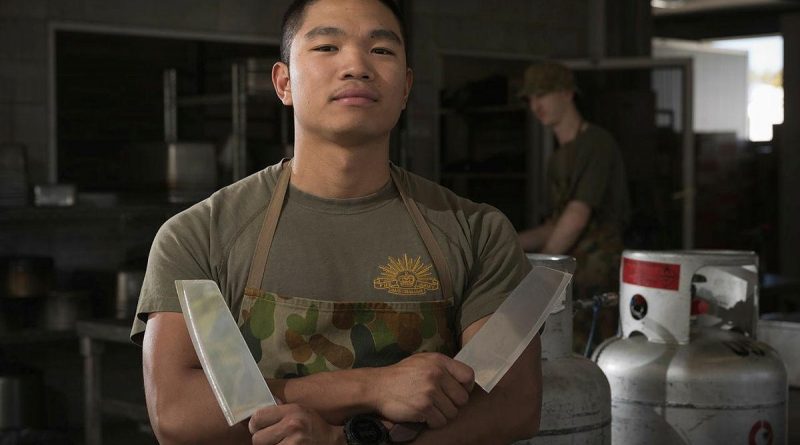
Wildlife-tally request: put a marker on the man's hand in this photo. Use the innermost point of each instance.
(292, 423)
(426, 387)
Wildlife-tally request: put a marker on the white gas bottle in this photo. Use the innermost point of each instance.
(687, 368)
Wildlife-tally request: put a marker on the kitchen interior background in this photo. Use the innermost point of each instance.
(116, 114)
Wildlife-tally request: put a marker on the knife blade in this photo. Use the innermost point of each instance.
(233, 374)
(500, 342)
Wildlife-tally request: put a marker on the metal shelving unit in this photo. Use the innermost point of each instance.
(250, 79)
(94, 334)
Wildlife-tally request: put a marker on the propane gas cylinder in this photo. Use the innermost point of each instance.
(687, 368)
(576, 400)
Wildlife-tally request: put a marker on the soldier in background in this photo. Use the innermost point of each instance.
(587, 192)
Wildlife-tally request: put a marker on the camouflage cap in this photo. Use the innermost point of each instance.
(547, 77)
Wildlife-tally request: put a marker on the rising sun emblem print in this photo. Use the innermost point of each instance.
(405, 276)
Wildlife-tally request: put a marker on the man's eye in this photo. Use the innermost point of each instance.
(325, 48)
(383, 51)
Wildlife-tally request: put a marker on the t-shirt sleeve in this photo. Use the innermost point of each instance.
(499, 267)
(594, 174)
(179, 252)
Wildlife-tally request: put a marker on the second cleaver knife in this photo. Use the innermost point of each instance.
(234, 376)
(500, 342)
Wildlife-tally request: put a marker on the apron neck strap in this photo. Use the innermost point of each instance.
(439, 260)
(267, 232)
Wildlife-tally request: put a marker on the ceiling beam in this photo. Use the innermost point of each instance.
(720, 24)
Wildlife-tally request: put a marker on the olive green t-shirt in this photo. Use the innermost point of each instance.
(590, 169)
(336, 249)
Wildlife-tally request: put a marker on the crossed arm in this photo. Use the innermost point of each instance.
(428, 386)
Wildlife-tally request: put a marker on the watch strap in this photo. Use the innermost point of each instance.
(405, 432)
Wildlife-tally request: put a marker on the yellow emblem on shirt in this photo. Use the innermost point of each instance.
(404, 276)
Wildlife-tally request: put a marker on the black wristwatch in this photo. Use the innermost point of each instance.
(365, 430)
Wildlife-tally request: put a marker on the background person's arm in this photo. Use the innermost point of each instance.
(533, 239)
(568, 228)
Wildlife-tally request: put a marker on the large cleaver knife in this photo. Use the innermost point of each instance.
(234, 376)
(500, 342)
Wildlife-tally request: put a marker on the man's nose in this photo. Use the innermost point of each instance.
(357, 66)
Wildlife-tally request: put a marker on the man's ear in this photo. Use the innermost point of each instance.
(280, 80)
(409, 82)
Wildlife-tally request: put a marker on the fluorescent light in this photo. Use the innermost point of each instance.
(667, 3)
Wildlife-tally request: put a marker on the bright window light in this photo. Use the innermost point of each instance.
(765, 82)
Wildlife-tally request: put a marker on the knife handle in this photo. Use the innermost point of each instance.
(405, 432)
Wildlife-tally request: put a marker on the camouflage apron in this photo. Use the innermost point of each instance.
(292, 336)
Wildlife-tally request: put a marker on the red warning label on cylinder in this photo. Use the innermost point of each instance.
(761, 433)
(649, 274)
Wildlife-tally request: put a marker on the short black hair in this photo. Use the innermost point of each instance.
(293, 19)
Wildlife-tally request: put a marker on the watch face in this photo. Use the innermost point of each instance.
(367, 430)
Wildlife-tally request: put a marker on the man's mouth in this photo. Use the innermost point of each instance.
(355, 96)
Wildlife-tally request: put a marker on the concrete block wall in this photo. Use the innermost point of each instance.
(25, 53)
(524, 29)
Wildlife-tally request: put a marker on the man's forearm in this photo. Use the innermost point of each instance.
(180, 403)
(568, 228)
(335, 395)
(532, 240)
(562, 240)
(185, 410)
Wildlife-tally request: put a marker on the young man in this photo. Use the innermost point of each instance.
(372, 280)
(587, 188)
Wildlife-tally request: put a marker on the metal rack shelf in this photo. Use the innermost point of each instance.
(93, 336)
(250, 80)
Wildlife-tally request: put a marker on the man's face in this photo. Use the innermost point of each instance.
(347, 80)
(550, 107)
